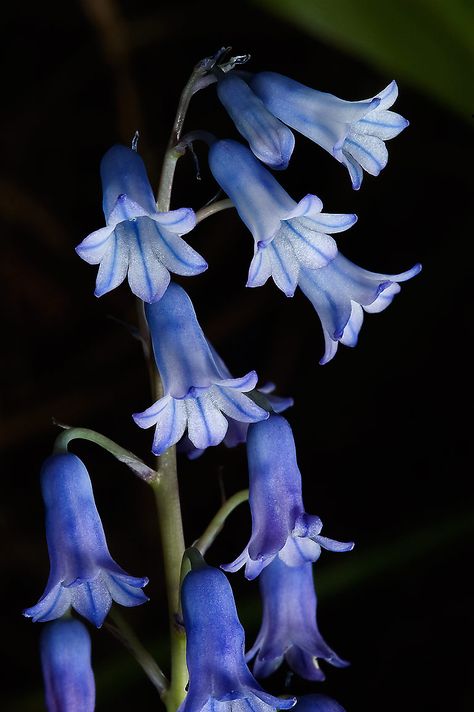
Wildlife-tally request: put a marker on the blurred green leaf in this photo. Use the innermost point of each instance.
(426, 43)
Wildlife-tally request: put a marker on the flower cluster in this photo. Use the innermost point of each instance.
(200, 404)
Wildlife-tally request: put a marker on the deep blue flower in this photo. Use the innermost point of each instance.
(137, 240)
(219, 679)
(65, 648)
(280, 525)
(298, 233)
(354, 132)
(83, 574)
(270, 140)
(198, 394)
(289, 629)
(341, 292)
(317, 703)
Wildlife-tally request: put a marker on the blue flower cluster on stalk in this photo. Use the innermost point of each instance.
(200, 404)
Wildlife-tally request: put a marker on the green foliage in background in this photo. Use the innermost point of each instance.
(426, 43)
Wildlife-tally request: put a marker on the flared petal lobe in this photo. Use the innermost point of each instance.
(138, 241)
(289, 629)
(65, 649)
(199, 397)
(352, 131)
(269, 139)
(215, 657)
(83, 574)
(341, 292)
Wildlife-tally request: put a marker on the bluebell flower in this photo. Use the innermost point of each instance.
(65, 649)
(317, 703)
(269, 139)
(219, 679)
(198, 394)
(289, 628)
(280, 525)
(83, 574)
(237, 430)
(354, 132)
(297, 233)
(137, 240)
(341, 292)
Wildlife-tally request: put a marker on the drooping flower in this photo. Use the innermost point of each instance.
(198, 395)
(280, 525)
(289, 628)
(354, 132)
(219, 679)
(317, 703)
(83, 575)
(298, 233)
(269, 139)
(65, 648)
(237, 430)
(137, 240)
(341, 292)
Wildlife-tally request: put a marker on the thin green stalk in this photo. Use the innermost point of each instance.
(218, 521)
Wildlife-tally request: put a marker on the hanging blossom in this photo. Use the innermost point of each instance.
(83, 574)
(199, 397)
(269, 139)
(288, 235)
(237, 430)
(219, 679)
(289, 629)
(317, 703)
(280, 525)
(137, 241)
(65, 649)
(354, 132)
(341, 292)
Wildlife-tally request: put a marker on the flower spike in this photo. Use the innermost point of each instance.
(290, 632)
(219, 678)
(280, 525)
(65, 648)
(288, 235)
(137, 240)
(352, 131)
(198, 395)
(83, 574)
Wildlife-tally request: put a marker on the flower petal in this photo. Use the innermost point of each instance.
(178, 221)
(93, 248)
(113, 267)
(147, 276)
(206, 424)
(151, 415)
(236, 405)
(177, 255)
(123, 592)
(92, 600)
(369, 151)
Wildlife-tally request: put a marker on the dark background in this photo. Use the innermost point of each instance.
(382, 431)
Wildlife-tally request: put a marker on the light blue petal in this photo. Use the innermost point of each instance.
(312, 249)
(297, 551)
(151, 415)
(236, 405)
(353, 326)
(206, 424)
(178, 221)
(332, 222)
(310, 206)
(383, 124)
(113, 267)
(170, 426)
(387, 96)
(50, 606)
(124, 593)
(285, 266)
(384, 299)
(178, 256)
(125, 209)
(333, 545)
(245, 383)
(370, 152)
(123, 172)
(93, 248)
(92, 600)
(355, 171)
(147, 276)
(260, 267)
(330, 348)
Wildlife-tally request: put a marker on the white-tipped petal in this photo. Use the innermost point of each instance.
(206, 424)
(113, 267)
(93, 248)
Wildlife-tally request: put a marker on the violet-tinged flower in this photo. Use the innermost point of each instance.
(69, 685)
(137, 240)
(341, 292)
(269, 139)
(198, 395)
(219, 679)
(298, 233)
(83, 574)
(289, 629)
(280, 525)
(317, 703)
(354, 132)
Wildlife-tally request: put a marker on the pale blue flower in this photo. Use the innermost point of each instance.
(199, 397)
(269, 139)
(137, 241)
(341, 292)
(65, 648)
(354, 132)
(298, 234)
(83, 574)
